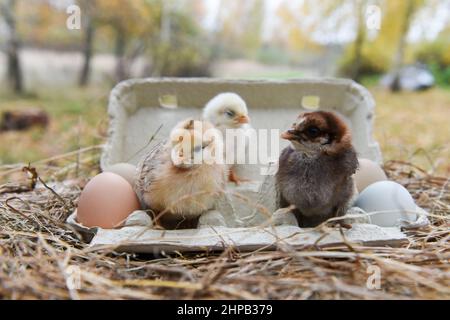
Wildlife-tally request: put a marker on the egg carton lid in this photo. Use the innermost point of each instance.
(137, 236)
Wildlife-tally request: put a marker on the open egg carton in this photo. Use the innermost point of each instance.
(139, 108)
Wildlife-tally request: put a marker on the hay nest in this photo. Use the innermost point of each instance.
(40, 254)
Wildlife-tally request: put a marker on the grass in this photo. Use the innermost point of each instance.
(77, 118)
(414, 126)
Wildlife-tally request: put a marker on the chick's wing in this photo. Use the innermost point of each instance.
(147, 169)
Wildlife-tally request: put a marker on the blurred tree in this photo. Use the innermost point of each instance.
(88, 9)
(299, 36)
(436, 55)
(359, 40)
(177, 46)
(305, 21)
(387, 49)
(410, 7)
(166, 14)
(436, 51)
(133, 23)
(238, 26)
(43, 25)
(8, 12)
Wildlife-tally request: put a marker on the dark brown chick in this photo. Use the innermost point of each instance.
(315, 171)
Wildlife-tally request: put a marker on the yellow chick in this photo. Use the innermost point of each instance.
(179, 180)
(229, 111)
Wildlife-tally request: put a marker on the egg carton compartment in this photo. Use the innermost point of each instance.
(140, 108)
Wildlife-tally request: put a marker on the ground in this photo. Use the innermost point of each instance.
(41, 257)
(414, 126)
(77, 118)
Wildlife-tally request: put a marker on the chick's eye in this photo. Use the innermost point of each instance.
(230, 113)
(313, 131)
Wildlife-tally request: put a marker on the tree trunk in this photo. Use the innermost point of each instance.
(165, 32)
(87, 48)
(398, 62)
(121, 72)
(12, 46)
(359, 42)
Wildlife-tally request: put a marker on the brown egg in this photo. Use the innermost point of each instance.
(106, 201)
(368, 173)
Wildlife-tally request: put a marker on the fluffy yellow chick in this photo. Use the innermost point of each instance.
(173, 180)
(228, 111)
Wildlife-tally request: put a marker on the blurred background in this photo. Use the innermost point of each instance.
(59, 60)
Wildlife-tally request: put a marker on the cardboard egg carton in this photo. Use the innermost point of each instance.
(139, 108)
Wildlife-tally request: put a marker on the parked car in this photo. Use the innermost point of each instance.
(414, 77)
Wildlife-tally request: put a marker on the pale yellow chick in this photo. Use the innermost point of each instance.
(173, 184)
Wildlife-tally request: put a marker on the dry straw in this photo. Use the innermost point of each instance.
(39, 252)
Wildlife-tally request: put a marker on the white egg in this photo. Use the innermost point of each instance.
(368, 172)
(392, 202)
(125, 170)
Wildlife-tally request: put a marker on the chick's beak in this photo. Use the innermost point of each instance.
(289, 135)
(243, 119)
